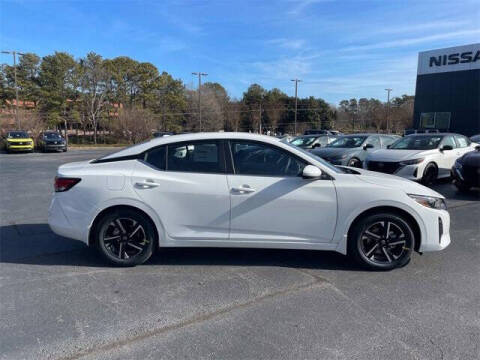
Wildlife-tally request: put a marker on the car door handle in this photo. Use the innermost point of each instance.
(243, 189)
(146, 184)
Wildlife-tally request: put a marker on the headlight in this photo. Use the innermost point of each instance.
(411, 162)
(430, 201)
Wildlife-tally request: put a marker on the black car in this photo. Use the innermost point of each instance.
(466, 170)
(51, 141)
(475, 139)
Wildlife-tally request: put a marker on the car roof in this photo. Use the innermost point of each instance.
(139, 148)
(434, 134)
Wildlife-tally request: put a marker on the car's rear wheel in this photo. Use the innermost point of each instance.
(382, 241)
(430, 174)
(125, 237)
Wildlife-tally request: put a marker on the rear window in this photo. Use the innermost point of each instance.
(157, 157)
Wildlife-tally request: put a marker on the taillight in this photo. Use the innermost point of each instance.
(64, 183)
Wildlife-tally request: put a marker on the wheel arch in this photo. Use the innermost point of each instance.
(113, 208)
(395, 210)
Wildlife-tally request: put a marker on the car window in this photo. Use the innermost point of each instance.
(303, 141)
(156, 157)
(374, 140)
(462, 141)
(348, 142)
(195, 156)
(388, 140)
(251, 158)
(449, 140)
(417, 142)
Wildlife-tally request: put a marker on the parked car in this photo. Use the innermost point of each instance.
(422, 157)
(285, 138)
(475, 139)
(321, 132)
(242, 190)
(466, 170)
(351, 150)
(312, 141)
(51, 141)
(163, 133)
(18, 140)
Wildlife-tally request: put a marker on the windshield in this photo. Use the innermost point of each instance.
(303, 141)
(417, 142)
(52, 136)
(319, 159)
(17, 134)
(348, 142)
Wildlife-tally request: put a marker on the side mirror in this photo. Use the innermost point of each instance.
(311, 172)
(446, 147)
(368, 146)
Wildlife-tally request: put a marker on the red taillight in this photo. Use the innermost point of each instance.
(64, 184)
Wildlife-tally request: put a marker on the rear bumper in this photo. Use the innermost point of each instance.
(59, 223)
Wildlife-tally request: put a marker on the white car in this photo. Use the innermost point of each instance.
(420, 157)
(242, 190)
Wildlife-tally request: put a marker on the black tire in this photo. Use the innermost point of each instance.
(65, 150)
(354, 162)
(430, 174)
(125, 237)
(371, 248)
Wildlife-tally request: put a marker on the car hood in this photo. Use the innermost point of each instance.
(333, 153)
(398, 155)
(395, 182)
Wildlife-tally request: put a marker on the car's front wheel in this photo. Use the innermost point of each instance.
(382, 241)
(354, 162)
(125, 237)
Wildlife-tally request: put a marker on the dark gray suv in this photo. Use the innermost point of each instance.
(351, 150)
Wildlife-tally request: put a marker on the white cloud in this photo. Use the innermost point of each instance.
(414, 41)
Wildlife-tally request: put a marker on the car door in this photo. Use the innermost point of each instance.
(185, 183)
(271, 202)
(447, 157)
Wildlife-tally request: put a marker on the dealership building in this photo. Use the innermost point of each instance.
(447, 95)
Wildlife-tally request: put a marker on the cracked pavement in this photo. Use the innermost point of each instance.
(59, 300)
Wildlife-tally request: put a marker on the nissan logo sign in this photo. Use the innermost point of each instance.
(459, 58)
(456, 58)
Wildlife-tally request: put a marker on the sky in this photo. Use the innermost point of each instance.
(339, 49)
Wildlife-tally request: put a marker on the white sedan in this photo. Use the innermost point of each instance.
(242, 190)
(420, 157)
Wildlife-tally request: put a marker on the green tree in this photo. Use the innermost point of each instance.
(59, 80)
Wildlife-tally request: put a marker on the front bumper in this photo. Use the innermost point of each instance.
(458, 176)
(436, 236)
(55, 147)
(13, 147)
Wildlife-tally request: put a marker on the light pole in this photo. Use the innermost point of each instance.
(14, 53)
(388, 108)
(199, 74)
(296, 88)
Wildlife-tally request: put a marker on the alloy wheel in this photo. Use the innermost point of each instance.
(383, 242)
(124, 238)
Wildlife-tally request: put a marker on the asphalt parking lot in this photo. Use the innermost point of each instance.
(59, 300)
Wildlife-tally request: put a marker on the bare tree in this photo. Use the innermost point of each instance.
(133, 124)
(93, 84)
